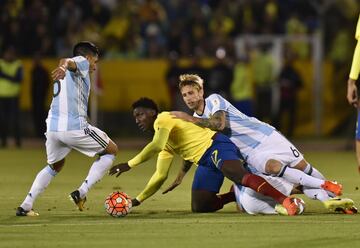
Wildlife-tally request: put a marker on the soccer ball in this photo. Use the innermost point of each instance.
(118, 204)
(301, 205)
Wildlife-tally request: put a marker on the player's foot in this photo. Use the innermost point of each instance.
(22, 212)
(293, 206)
(75, 197)
(338, 203)
(280, 209)
(333, 187)
(352, 210)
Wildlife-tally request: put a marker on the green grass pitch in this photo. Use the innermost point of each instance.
(163, 220)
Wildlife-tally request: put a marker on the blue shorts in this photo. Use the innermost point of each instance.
(357, 132)
(208, 175)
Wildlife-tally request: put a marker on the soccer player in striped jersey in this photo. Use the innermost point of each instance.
(261, 145)
(352, 92)
(213, 152)
(68, 128)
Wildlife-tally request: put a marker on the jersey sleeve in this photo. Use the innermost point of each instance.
(82, 66)
(216, 103)
(155, 146)
(164, 120)
(357, 32)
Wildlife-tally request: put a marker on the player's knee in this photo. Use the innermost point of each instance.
(58, 165)
(302, 165)
(273, 167)
(198, 207)
(112, 148)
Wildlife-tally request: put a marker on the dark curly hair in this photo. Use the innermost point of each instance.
(145, 102)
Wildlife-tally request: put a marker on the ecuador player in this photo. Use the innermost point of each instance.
(214, 153)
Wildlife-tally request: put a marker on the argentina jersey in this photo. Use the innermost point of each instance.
(246, 132)
(68, 110)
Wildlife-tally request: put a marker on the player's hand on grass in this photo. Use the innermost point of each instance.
(118, 169)
(181, 115)
(135, 202)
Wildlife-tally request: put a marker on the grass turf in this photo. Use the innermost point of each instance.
(163, 220)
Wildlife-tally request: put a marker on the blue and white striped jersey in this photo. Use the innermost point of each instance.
(246, 132)
(68, 110)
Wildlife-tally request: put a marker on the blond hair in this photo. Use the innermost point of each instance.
(191, 79)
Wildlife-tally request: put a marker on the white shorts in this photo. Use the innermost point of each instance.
(90, 141)
(252, 202)
(277, 147)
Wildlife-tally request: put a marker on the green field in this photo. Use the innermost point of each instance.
(163, 220)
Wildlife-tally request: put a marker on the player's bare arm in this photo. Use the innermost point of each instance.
(65, 64)
(216, 122)
(185, 168)
(352, 95)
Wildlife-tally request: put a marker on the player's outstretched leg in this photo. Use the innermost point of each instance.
(41, 181)
(234, 170)
(96, 173)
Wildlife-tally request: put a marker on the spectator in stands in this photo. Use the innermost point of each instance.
(242, 89)
(263, 66)
(11, 75)
(40, 81)
(290, 83)
(220, 75)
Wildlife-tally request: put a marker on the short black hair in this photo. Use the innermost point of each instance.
(145, 102)
(84, 48)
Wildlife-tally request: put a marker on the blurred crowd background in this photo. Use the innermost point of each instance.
(259, 54)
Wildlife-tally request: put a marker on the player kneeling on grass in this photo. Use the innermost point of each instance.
(67, 128)
(214, 153)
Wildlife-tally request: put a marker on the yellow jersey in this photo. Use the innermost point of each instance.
(357, 33)
(172, 136)
(355, 66)
(184, 138)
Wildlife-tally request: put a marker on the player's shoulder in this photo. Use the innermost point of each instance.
(216, 100)
(215, 97)
(164, 116)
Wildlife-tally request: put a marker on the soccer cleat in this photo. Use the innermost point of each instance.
(280, 209)
(22, 212)
(75, 197)
(290, 205)
(333, 187)
(338, 204)
(352, 210)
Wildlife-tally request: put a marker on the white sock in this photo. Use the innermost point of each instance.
(96, 172)
(313, 172)
(316, 194)
(299, 177)
(40, 183)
